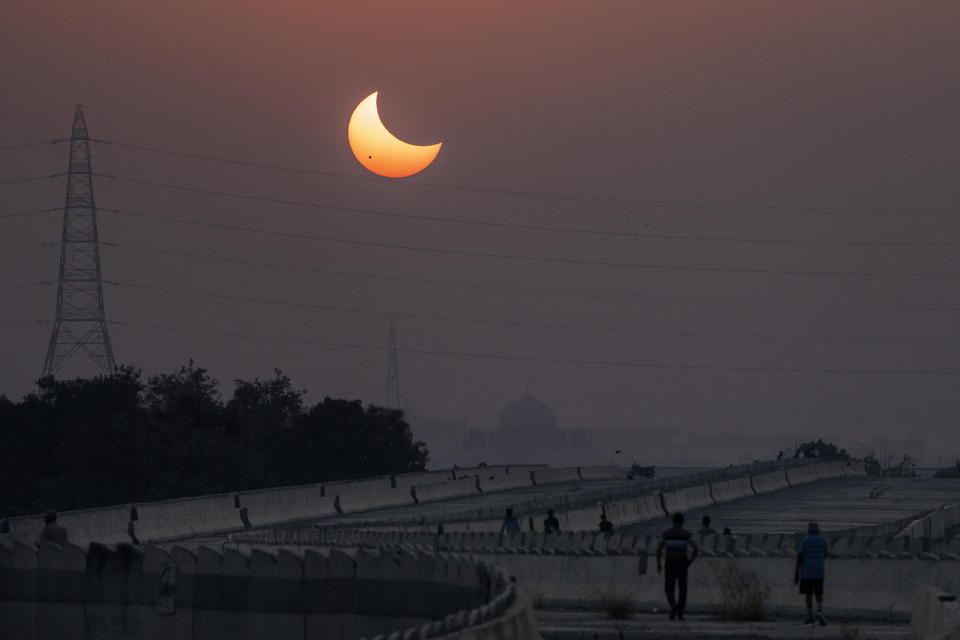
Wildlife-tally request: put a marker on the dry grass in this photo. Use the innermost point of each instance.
(743, 593)
(849, 633)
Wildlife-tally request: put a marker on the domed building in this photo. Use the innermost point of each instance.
(528, 412)
(527, 432)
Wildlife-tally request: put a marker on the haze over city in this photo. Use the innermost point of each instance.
(709, 218)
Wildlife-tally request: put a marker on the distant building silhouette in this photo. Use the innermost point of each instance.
(528, 431)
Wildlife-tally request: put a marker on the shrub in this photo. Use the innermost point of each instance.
(617, 607)
(949, 472)
(743, 594)
(906, 468)
(849, 633)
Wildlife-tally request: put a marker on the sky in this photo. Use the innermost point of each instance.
(649, 214)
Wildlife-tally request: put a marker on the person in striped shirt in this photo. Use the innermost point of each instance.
(811, 570)
(676, 540)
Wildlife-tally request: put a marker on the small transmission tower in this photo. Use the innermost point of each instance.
(393, 375)
(80, 323)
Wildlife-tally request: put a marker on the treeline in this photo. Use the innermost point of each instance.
(117, 439)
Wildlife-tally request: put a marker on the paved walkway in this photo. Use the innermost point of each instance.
(577, 625)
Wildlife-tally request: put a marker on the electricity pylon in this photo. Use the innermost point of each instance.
(80, 323)
(393, 375)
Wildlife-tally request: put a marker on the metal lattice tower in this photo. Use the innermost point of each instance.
(393, 375)
(80, 323)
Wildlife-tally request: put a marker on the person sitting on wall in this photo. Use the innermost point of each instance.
(606, 526)
(52, 531)
(511, 525)
(727, 540)
(705, 529)
(550, 523)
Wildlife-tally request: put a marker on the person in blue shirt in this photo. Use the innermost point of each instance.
(811, 571)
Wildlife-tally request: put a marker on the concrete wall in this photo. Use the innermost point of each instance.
(625, 503)
(935, 616)
(459, 488)
(601, 473)
(273, 506)
(133, 592)
(172, 519)
(732, 489)
(109, 525)
(494, 479)
(208, 515)
(757, 545)
(802, 474)
(769, 481)
(223, 513)
(578, 569)
(934, 524)
(576, 580)
(556, 476)
(688, 498)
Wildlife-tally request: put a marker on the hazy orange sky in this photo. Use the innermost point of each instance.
(819, 104)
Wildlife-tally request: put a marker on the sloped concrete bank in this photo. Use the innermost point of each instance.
(632, 503)
(133, 592)
(861, 585)
(867, 588)
(171, 520)
(757, 545)
(182, 518)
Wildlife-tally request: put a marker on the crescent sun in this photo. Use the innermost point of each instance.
(379, 150)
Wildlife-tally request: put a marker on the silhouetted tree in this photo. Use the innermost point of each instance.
(827, 450)
(114, 439)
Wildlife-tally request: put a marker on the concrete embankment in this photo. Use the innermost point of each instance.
(134, 592)
(637, 502)
(236, 511)
(855, 587)
(842, 545)
(936, 615)
(873, 577)
(934, 524)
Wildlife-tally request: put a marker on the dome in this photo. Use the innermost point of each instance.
(528, 413)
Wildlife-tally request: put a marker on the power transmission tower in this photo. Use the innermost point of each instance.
(80, 323)
(393, 376)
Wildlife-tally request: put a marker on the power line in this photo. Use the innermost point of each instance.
(678, 204)
(20, 287)
(553, 260)
(565, 361)
(27, 145)
(34, 179)
(574, 293)
(547, 325)
(21, 325)
(25, 247)
(18, 214)
(518, 226)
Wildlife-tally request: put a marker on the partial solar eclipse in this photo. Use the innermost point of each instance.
(379, 150)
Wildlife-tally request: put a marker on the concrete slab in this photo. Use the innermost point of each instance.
(574, 625)
(837, 504)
